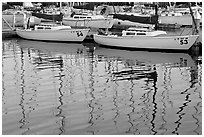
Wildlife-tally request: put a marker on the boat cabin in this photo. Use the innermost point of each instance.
(51, 27)
(87, 16)
(82, 17)
(141, 32)
(135, 32)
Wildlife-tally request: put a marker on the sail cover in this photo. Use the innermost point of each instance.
(138, 19)
(27, 4)
(6, 6)
(89, 6)
(54, 17)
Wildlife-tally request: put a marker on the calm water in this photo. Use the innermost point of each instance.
(60, 88)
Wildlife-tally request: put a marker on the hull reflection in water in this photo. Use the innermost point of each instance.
(141, 64)
(54, 51)
(148, 58)
(52, 47)
(60, 88)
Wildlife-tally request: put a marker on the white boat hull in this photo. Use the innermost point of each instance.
(145, 42)
(93, 23)
(185, 20)
(72, 35)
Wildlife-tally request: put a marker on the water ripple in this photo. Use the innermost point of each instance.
(69, 89)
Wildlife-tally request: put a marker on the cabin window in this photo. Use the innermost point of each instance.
(76, 17)
(47, 28)
(40, 27)
(88, 17)
(83, 17)
(141, 33)
(129, 33)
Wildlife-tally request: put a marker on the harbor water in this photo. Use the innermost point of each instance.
(53, 88)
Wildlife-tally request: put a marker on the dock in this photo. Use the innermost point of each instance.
(7, 33)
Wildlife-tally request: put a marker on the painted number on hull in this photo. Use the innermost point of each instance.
(79, 33)
(183, 41)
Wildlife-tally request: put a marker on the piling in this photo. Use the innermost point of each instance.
(14, 20)
(197, 18)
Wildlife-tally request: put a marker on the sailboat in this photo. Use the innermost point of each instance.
(146, 39)
(133, 19)
(135, 38)
(15, 17)
(87, 19)
(180, 15)
(53, 33)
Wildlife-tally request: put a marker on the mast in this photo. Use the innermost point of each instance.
(60, 11)
(156, 14)
(194, 22)
(114, 9)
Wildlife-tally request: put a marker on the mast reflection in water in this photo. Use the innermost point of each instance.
(67, 88)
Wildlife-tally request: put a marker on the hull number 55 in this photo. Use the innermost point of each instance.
(183, 41)
(79, 33)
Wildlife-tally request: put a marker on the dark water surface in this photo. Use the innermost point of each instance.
(60, 88)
